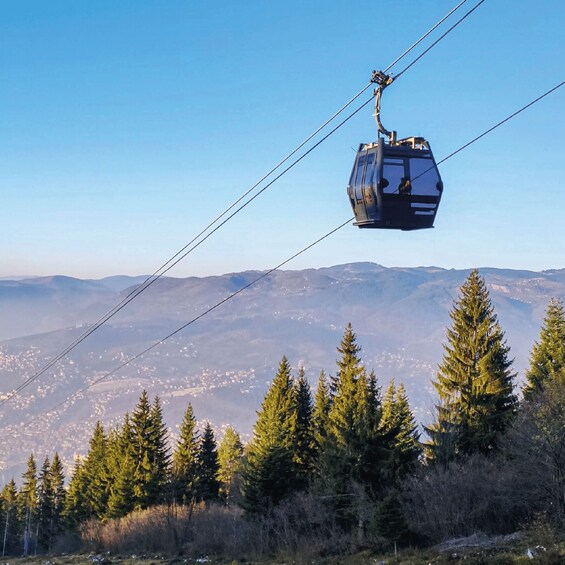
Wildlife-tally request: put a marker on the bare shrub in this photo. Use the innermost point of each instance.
(220, 531)
(462, 498)
(302, 527)
(535, 450)
(154, 530)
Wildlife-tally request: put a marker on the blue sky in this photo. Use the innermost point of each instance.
(126, 126)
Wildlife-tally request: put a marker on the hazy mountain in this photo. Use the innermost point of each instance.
(223, 362)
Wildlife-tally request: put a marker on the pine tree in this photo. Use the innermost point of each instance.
(400, 433)
(230, 454)
(474, 381)
(208, 486)
(547, 358)
(27, 504)
(184, 468)
(9, 524)
(270, 473)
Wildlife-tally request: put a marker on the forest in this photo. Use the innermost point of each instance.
(330, 470)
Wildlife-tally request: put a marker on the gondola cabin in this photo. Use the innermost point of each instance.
(395, 186)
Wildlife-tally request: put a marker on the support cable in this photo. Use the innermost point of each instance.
(195, 242)
(266, 273)
(195, 319)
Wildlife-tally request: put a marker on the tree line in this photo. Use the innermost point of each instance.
(348, 447)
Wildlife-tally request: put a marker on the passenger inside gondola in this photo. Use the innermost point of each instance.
(405, 186)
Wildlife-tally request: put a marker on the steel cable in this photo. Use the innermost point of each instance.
(187, 249)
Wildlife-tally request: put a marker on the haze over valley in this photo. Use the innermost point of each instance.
(224, 362)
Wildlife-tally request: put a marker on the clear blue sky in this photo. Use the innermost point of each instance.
(126, 126)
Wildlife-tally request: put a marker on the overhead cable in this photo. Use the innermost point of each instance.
(196, 241)
(266, 273)
(195, 319)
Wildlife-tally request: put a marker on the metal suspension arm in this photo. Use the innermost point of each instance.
(383, 81)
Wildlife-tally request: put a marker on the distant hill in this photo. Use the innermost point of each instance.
(224, 362)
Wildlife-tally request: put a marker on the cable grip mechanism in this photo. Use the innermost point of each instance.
(383, 80)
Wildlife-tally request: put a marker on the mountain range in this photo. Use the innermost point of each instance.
(223, 362)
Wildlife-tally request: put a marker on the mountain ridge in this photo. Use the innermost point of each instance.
(223, 363)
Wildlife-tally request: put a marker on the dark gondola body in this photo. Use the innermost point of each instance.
(395, 186)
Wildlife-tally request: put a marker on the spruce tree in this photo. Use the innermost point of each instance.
(474, 381)
(96, 473)
(389, 519)
(76, 507)
(208, 485)
(160, 458)
(270, 472)
(121, 468)
(121, 500)
(184, 466)
(45, 507)
(320, 412)
(351, 448)
(150, 452)
(304, 446)
(142, 442)
(345, 415)
(57, 477)
(400, 433)
(547, 359)
(27, 504)
(230, 454)
(9, 523)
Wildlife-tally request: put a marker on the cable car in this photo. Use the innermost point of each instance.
(394, 184)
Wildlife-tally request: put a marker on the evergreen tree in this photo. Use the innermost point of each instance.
(304, 447)
(270, 472)
(142, 442)
(208, 486)
(76, 506)
(349, 363)
(184, 468)
(96, 473)
(547, 359)
(150, 452)
(389, 520)
(474, 380)
(320, 412)
(57, 477)
(121, 468)
(45, 507)
(346, 416)
(27, 504)
(230, 454)
(121, 499)
(351, 455)
(9, 524)
(400, 432)
(160, 458)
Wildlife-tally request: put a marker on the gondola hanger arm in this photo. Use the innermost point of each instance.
(382, 80)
